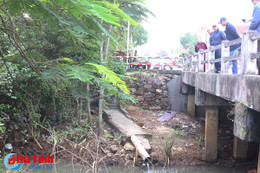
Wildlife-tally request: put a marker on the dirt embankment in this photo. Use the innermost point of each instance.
(188, 135)
(183, 134)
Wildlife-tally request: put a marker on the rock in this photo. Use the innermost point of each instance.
(151, 89)
(129, 147)
(164, 87)
(140, 98)
(158, 90)
(109, 154)
(158, 81)
(132, 90)
(155, 108)
(140, 91)
(148, 96)
(113, 148)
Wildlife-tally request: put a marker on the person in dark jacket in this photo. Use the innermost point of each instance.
(231, 34)
(255, 25)
(216, 38)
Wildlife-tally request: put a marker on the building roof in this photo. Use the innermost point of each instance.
(241, 29)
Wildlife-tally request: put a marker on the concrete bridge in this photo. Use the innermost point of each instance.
(211, 90)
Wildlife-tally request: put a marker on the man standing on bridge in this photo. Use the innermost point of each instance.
(231, 34)
(216, 39)
(255, 25)
(203, 46)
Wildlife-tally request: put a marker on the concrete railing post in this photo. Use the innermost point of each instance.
(193, 65)
(211, 56)
(189, 63)
(224, 54)
(200, 59)
(248, 46)
(185, 63)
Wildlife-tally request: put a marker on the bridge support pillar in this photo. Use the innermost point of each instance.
(191, 104)
(211, 133)
(240, 149)
(212, 104)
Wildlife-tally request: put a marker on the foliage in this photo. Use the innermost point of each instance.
(49, 52)
(188, 41)
(140, 35)
(117, 66)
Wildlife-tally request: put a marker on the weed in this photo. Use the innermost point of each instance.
(168, 144)
(244, 133)
(177, 132)
(199, 141)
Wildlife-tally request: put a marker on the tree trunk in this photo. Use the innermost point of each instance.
(107, 42)
(101, 95)
(100, 110)
(88, 107)
(101, 47)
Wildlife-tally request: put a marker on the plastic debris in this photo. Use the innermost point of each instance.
(167, 116)
(8, 146)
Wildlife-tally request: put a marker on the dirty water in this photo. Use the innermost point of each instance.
(119, 169)
(178, 170)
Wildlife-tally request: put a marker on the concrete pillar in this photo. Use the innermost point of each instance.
(211, 133)
(184, 88)
(258, 166)
(191, 104)
(240, 149)
(248, 65)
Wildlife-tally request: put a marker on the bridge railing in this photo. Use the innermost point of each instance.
(195, 62)
(146, 62)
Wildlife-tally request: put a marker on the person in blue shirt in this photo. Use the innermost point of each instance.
(231, 34)
(216, 38)
(255, 25)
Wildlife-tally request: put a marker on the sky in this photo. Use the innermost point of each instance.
(177, 17)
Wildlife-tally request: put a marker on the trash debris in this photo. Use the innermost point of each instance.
(252, 171)
(167, 116)
(8, 146)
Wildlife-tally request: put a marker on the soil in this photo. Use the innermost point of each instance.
(186, 133)
(188, 145)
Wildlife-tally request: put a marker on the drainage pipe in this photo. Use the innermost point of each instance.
(140, 148)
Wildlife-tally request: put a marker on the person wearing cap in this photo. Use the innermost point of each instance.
(231, 34)
(255, 25)
(216, 39)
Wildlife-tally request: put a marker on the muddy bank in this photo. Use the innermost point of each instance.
(183, 133)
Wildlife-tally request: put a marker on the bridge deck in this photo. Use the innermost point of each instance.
(235, 88)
